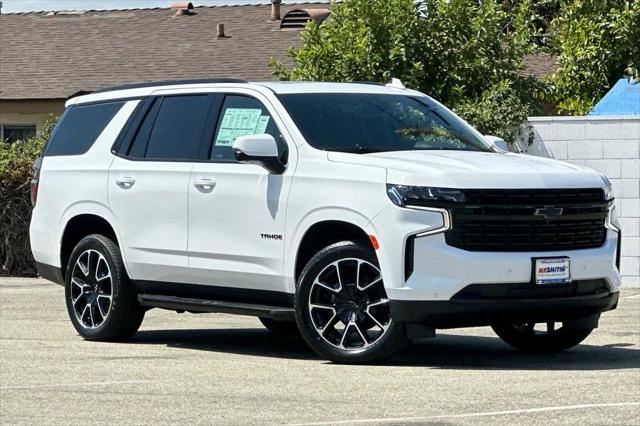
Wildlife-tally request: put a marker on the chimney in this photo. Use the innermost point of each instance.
(0, 7)
(275, 10)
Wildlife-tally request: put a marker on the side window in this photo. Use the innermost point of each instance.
(177, 128)
(79, 127)
(141, 138)
(240, 116)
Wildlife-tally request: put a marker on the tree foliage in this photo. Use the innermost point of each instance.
(464, 53)
(597, 41)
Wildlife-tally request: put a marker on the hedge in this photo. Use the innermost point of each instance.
(16, 162)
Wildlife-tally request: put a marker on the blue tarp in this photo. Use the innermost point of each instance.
(622, 99)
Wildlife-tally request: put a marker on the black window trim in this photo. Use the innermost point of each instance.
(121, 147)
(123, 141)
(125, 138)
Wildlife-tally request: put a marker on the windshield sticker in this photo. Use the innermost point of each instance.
(263, 122)
(238, 122)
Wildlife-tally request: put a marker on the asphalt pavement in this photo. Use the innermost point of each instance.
(223, 369)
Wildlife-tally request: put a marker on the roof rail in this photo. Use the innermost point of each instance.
(170, 83)
(375, 83)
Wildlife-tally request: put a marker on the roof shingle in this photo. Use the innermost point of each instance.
(47, 56)
(53, 56)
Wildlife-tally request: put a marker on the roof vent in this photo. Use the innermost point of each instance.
(298, 18)
(183, 8)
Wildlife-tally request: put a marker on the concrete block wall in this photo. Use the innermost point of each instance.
(611, 145)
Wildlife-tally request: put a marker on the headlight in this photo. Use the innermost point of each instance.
(608, 189)
(406, 196)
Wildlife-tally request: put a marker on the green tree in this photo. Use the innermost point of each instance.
(465, 54)
(597, 42)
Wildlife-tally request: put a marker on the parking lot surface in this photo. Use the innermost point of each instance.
(222, 369)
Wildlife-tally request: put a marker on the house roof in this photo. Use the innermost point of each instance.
(53, 56)
(540, 65)
(47, 55)
(622, 99)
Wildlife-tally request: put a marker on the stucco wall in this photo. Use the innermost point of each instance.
(610, 145)
(30, 112)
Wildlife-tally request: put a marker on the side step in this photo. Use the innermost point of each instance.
(174, 303)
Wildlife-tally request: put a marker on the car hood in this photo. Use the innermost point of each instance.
(466, 169)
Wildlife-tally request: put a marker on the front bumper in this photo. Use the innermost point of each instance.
(484, 304)
(439, 271)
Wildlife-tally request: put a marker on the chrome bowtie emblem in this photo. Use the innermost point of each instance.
(549, 212)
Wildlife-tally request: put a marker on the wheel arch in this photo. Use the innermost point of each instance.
(79, 225)
(322, 234)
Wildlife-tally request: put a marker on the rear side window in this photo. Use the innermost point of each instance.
(177, 128)
(79, 128)
(139, 144)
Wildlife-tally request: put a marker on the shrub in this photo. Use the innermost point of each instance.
(16, 161)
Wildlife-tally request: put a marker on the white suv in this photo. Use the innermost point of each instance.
(359, 214)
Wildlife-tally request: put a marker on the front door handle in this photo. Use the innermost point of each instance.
(125, 182)
(204, 184)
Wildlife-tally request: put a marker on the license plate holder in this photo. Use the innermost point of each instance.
(551, 270)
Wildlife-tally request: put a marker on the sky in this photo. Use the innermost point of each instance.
(9, 6)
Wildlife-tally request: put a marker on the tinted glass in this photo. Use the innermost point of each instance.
(242, 115)
(79, 127)
(362, 123)
(177, 130)
(139, 143)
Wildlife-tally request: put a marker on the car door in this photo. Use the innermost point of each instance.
(148, 185)
(236, 210)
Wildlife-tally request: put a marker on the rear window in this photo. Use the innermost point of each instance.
(79, 128)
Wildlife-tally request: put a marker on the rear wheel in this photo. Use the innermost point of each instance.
(342, 307)
(540, 337)
(280, 327)
(101, 301)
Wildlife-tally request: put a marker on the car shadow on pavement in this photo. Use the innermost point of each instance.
(446, 351)
(243, 341)
(491, 353)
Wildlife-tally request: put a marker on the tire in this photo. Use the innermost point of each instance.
(347, 319)
(101, 302)
(523, 336)
(280, 328)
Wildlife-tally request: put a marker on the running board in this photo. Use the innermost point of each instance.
(174, 303)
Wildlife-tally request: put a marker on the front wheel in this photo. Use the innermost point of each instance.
(342, 307)
(545, 337)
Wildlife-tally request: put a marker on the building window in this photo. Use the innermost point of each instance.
(11, 133)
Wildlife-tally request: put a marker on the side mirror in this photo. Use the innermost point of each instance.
(259, 149)
(497, 142)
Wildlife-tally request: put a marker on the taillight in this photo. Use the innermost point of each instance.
(35, 180)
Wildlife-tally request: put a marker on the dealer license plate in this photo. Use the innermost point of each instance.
(552, 271)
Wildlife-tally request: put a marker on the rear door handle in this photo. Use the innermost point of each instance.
(125, 182)
(204, 184)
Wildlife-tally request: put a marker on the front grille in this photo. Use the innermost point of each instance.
(506, 220)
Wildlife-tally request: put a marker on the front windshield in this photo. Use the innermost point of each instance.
(363, 123)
